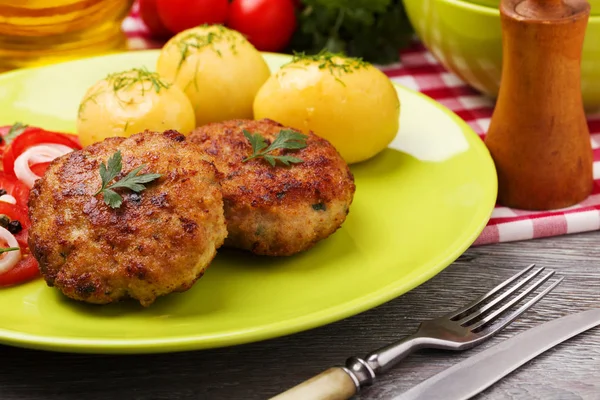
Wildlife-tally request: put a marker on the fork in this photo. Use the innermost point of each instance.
(461, 329)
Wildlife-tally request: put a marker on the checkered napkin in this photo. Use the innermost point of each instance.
(420, 71)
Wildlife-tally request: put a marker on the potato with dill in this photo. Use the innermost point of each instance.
(128, 102)
(345, 100)
(283, 191)
(217, 68)
(136, 217)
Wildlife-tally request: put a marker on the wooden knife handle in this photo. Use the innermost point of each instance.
(331, 384)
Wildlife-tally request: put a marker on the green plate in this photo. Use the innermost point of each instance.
(418, 205)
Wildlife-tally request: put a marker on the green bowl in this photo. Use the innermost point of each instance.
(467, 39)
(496, 3)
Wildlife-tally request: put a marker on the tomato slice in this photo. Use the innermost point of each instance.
(31, 138)
(15, 212)
(15, 188)
(22, 239)
(26, 269)
(39, 169)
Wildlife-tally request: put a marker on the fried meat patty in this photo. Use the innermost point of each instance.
(157, 242)
(279, 210)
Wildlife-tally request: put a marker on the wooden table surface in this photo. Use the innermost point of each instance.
(260, 370)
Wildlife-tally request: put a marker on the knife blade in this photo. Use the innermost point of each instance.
(471, 376)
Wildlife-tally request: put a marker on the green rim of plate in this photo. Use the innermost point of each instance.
(463, 240)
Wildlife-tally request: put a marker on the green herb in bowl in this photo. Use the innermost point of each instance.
(374, 30)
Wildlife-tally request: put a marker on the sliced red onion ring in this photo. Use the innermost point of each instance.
(7, 198)
(9, 259)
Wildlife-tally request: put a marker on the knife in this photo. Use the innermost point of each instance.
(473, 375)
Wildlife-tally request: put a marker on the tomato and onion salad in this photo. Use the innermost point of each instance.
(34, 137)
(26, 154)
(35, 155)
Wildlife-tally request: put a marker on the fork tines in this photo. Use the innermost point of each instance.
(477, 315)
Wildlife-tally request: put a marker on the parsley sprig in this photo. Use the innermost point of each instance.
(7, 249)
(131, 181)
(371, 29)
(136, 76)
(15, 130)
(286, 139)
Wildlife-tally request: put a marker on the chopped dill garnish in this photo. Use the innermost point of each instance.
(193, 41)
(337, 64)
(116, 82)
(127, 79)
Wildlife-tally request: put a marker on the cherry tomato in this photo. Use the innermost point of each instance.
(150, 17)
(268, 24)
(32, 138)
(179, 15)
(26, 269)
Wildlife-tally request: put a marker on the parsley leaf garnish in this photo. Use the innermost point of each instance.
(131, 181)
(15, 130)
(286, 139)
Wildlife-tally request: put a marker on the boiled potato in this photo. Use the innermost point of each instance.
(219, 70)
(129, 102)
(344, 100)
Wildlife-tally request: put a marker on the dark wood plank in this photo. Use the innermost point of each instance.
(260, 370)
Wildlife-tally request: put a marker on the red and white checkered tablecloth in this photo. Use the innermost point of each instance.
(420, 71)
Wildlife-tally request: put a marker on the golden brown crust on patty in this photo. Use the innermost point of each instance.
(159, 241)
(276, 210)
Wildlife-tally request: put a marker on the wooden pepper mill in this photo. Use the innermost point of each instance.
(538, 136)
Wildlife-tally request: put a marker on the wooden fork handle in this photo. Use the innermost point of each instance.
(332, 384)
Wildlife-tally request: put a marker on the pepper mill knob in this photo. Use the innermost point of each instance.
(538, 135)
(543, 9)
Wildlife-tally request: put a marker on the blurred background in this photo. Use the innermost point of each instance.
(464, 36)
(372, 29)
(34, 32)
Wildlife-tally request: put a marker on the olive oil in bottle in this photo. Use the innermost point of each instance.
(36, 32)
